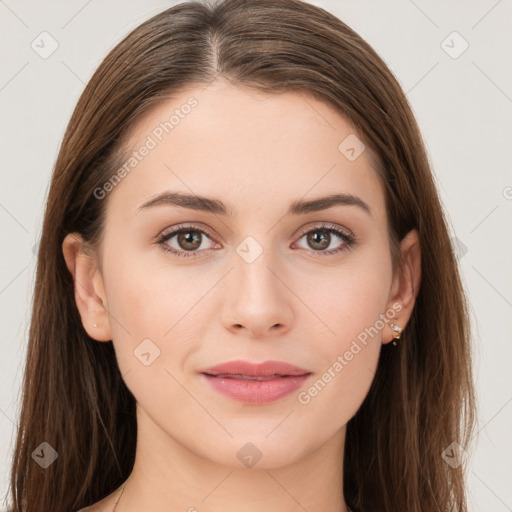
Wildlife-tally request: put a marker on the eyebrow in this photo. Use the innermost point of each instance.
(217, 207)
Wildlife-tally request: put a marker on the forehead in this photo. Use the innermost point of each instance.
(252, 149)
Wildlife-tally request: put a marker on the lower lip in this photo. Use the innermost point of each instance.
(256, 391)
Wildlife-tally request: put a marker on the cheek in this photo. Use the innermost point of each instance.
(346, 300)
(348, 352)
(146, 299)
(154, 317)
(351, 306)
(147, 316)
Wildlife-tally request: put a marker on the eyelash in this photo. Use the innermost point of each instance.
(349, 240)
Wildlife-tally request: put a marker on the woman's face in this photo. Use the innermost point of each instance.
(251, 277)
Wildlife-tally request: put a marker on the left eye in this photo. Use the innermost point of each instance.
(189, 240)
(320, 239)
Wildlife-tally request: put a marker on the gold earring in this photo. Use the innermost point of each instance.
(397, 330)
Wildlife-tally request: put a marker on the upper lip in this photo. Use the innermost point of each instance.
(265, 369)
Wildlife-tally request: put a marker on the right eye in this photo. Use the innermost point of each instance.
(188, 240)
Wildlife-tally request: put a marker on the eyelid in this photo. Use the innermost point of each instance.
(184, 226)
(300, 233)
(324, 225)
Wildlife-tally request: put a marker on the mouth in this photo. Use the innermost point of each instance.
(271, 369)
(255, 384)
(249, 377)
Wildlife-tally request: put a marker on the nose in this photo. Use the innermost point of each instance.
(257, 299)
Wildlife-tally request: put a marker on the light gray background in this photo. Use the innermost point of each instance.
(463, 107)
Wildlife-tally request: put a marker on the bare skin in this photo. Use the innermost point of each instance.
(257, 153)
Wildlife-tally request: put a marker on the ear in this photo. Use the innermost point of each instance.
(405, 285)
(88, 284)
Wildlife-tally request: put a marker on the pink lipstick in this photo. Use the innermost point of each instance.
(255, 383)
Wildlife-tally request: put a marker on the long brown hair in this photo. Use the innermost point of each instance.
(74, 397)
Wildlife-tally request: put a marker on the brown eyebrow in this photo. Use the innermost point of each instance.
(217, 207)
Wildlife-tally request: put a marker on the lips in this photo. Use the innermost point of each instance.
(241, 369)
(246, 377)
(255, 384)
